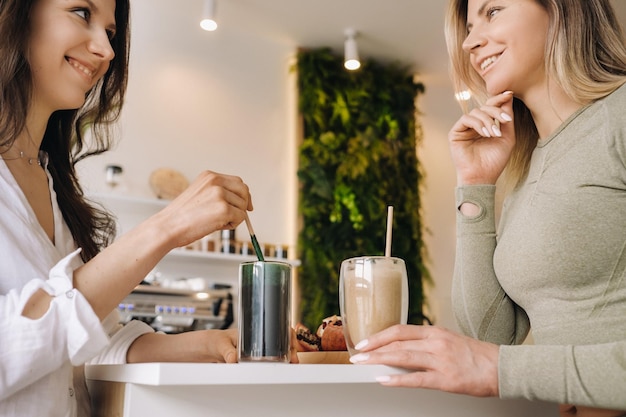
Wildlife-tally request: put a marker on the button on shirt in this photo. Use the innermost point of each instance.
(37, 356)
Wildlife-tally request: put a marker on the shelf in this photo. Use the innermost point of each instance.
(130, 210)
(147, 202)
(223, 257)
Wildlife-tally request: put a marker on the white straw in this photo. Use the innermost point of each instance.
(389, 226)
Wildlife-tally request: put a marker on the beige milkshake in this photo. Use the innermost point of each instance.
(373, 296)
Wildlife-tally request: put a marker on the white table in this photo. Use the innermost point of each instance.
(277, 390)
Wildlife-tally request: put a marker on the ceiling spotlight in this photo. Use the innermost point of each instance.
(464, 95)
(208, 22)
(351, 54)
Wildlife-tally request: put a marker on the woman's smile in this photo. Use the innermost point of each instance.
(84, 70)
(486, 63)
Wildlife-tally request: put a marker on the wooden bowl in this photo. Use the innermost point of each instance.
(330, 357)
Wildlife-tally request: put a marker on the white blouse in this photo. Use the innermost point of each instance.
(37, 356)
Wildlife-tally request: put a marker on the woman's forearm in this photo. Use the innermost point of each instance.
(111, 275)
(195, 346)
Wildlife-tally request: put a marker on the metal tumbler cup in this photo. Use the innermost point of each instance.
(264, 307)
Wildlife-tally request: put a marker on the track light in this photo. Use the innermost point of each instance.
(208, 22)
(463, 95)
(351, 54)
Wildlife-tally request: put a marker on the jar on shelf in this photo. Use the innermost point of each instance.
(281, 251)
(229, 244)
(268, 249)
(246, 248)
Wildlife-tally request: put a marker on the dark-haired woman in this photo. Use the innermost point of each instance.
(63, 73)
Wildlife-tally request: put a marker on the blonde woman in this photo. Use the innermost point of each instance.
(547, 78)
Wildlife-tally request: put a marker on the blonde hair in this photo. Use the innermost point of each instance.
(585, 55)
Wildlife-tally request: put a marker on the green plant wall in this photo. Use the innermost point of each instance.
(358, 156)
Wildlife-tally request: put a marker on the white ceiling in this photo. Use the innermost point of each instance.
(410, 31)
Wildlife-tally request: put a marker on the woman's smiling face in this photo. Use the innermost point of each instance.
(506, 41)
(69, 50)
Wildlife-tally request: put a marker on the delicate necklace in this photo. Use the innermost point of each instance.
(30, 159)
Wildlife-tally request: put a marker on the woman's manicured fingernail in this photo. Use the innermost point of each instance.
(496, 130)
(506, 117)
(383, 378)
(508, 92)
(359, 357)
(361, 344)
(486, 132)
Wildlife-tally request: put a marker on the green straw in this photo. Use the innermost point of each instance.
(255, 242)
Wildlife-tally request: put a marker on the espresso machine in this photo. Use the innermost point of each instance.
(174, 310)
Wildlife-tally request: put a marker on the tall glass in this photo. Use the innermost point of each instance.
(373, 295)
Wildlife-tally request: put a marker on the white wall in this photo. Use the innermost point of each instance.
(199, 102)
(439, 112)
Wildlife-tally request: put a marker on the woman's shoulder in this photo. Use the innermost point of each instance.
(617, 97)
(613, 119)
(611, 109)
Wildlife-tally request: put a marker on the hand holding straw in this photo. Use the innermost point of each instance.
(255, 242)
(389, 227)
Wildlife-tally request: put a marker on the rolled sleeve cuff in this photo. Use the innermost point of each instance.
(532, 372)
(121, 340)
(85, 336)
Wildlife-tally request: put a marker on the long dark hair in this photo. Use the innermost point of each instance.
(71, 135)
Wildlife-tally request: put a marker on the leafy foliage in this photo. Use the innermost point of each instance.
(358, 156)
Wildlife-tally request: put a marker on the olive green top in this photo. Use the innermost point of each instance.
(557, 263)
